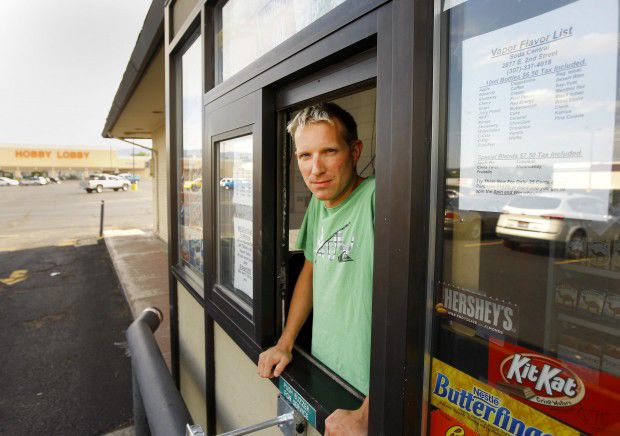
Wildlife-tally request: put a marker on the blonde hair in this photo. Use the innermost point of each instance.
(325, 112)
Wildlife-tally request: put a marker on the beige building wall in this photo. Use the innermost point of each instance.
(241, 396)
(160, 184)
(135, 164)
(192, 355)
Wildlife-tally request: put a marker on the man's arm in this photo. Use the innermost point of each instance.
(280, 354)
(348, 422)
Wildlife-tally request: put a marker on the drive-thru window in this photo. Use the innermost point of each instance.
(490, 127)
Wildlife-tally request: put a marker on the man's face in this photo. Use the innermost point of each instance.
(326, 161)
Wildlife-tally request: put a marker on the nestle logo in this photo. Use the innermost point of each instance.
(542, 380)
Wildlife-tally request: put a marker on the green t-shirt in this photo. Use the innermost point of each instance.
(339, 241)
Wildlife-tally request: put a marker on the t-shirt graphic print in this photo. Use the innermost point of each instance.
(335, 248)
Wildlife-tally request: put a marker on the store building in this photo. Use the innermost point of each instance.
(491, 130)
(68, 162)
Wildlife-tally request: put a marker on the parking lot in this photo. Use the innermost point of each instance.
(62, 311)
(37, 216)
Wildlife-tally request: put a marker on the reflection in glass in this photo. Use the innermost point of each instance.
(252, 28)
(234, 218)
(530, 254)
(190, 162)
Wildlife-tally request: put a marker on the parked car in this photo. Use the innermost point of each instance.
(133, 178)
(564, 218)
(7, 181)
(194, 185)
(99, 182)
(227, 183)
(55, 180)
(33, 180)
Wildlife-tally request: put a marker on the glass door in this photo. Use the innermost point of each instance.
(527, 285)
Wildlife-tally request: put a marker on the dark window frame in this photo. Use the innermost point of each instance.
(173, 109)
(322, 389)
(334, 20)
(218, 288)
(442, 59)
(238, 119)
(400, 279)
(354, 74)
(186, 273)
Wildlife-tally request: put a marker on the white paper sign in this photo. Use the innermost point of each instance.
(243, 255)
(242, 170)
(538, 106)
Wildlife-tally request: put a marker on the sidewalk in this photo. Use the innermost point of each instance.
(141, 263)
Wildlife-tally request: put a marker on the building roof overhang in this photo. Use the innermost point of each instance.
(138, 106)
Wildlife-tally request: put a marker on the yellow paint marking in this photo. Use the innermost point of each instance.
(562, 262)
(9, 236)
(66, 243)
(19, 275)
(481, 244)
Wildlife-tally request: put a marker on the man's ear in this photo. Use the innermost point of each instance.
(356, 150)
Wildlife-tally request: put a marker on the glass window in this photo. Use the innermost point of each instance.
(527, 296)
(249, 29)
(191, 248)
(234, 219)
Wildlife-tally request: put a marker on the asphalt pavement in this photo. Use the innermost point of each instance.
(39, 216)
(63, 315)
(65, 370)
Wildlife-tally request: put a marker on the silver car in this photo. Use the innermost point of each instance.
(99, 182)
(564, 218)
(7, 181)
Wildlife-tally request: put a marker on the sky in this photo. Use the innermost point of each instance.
(61, 64)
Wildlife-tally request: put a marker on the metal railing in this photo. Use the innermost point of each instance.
(158, 408)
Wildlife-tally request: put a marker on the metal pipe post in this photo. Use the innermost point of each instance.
(101, 219)
(166, 412)
(140, 423)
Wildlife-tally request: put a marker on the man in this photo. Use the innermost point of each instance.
(337, 236)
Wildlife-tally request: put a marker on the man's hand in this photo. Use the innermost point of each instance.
(278, 356)
(348, 422)
(281, 355)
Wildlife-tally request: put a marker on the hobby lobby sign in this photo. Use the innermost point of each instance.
(45, 154)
